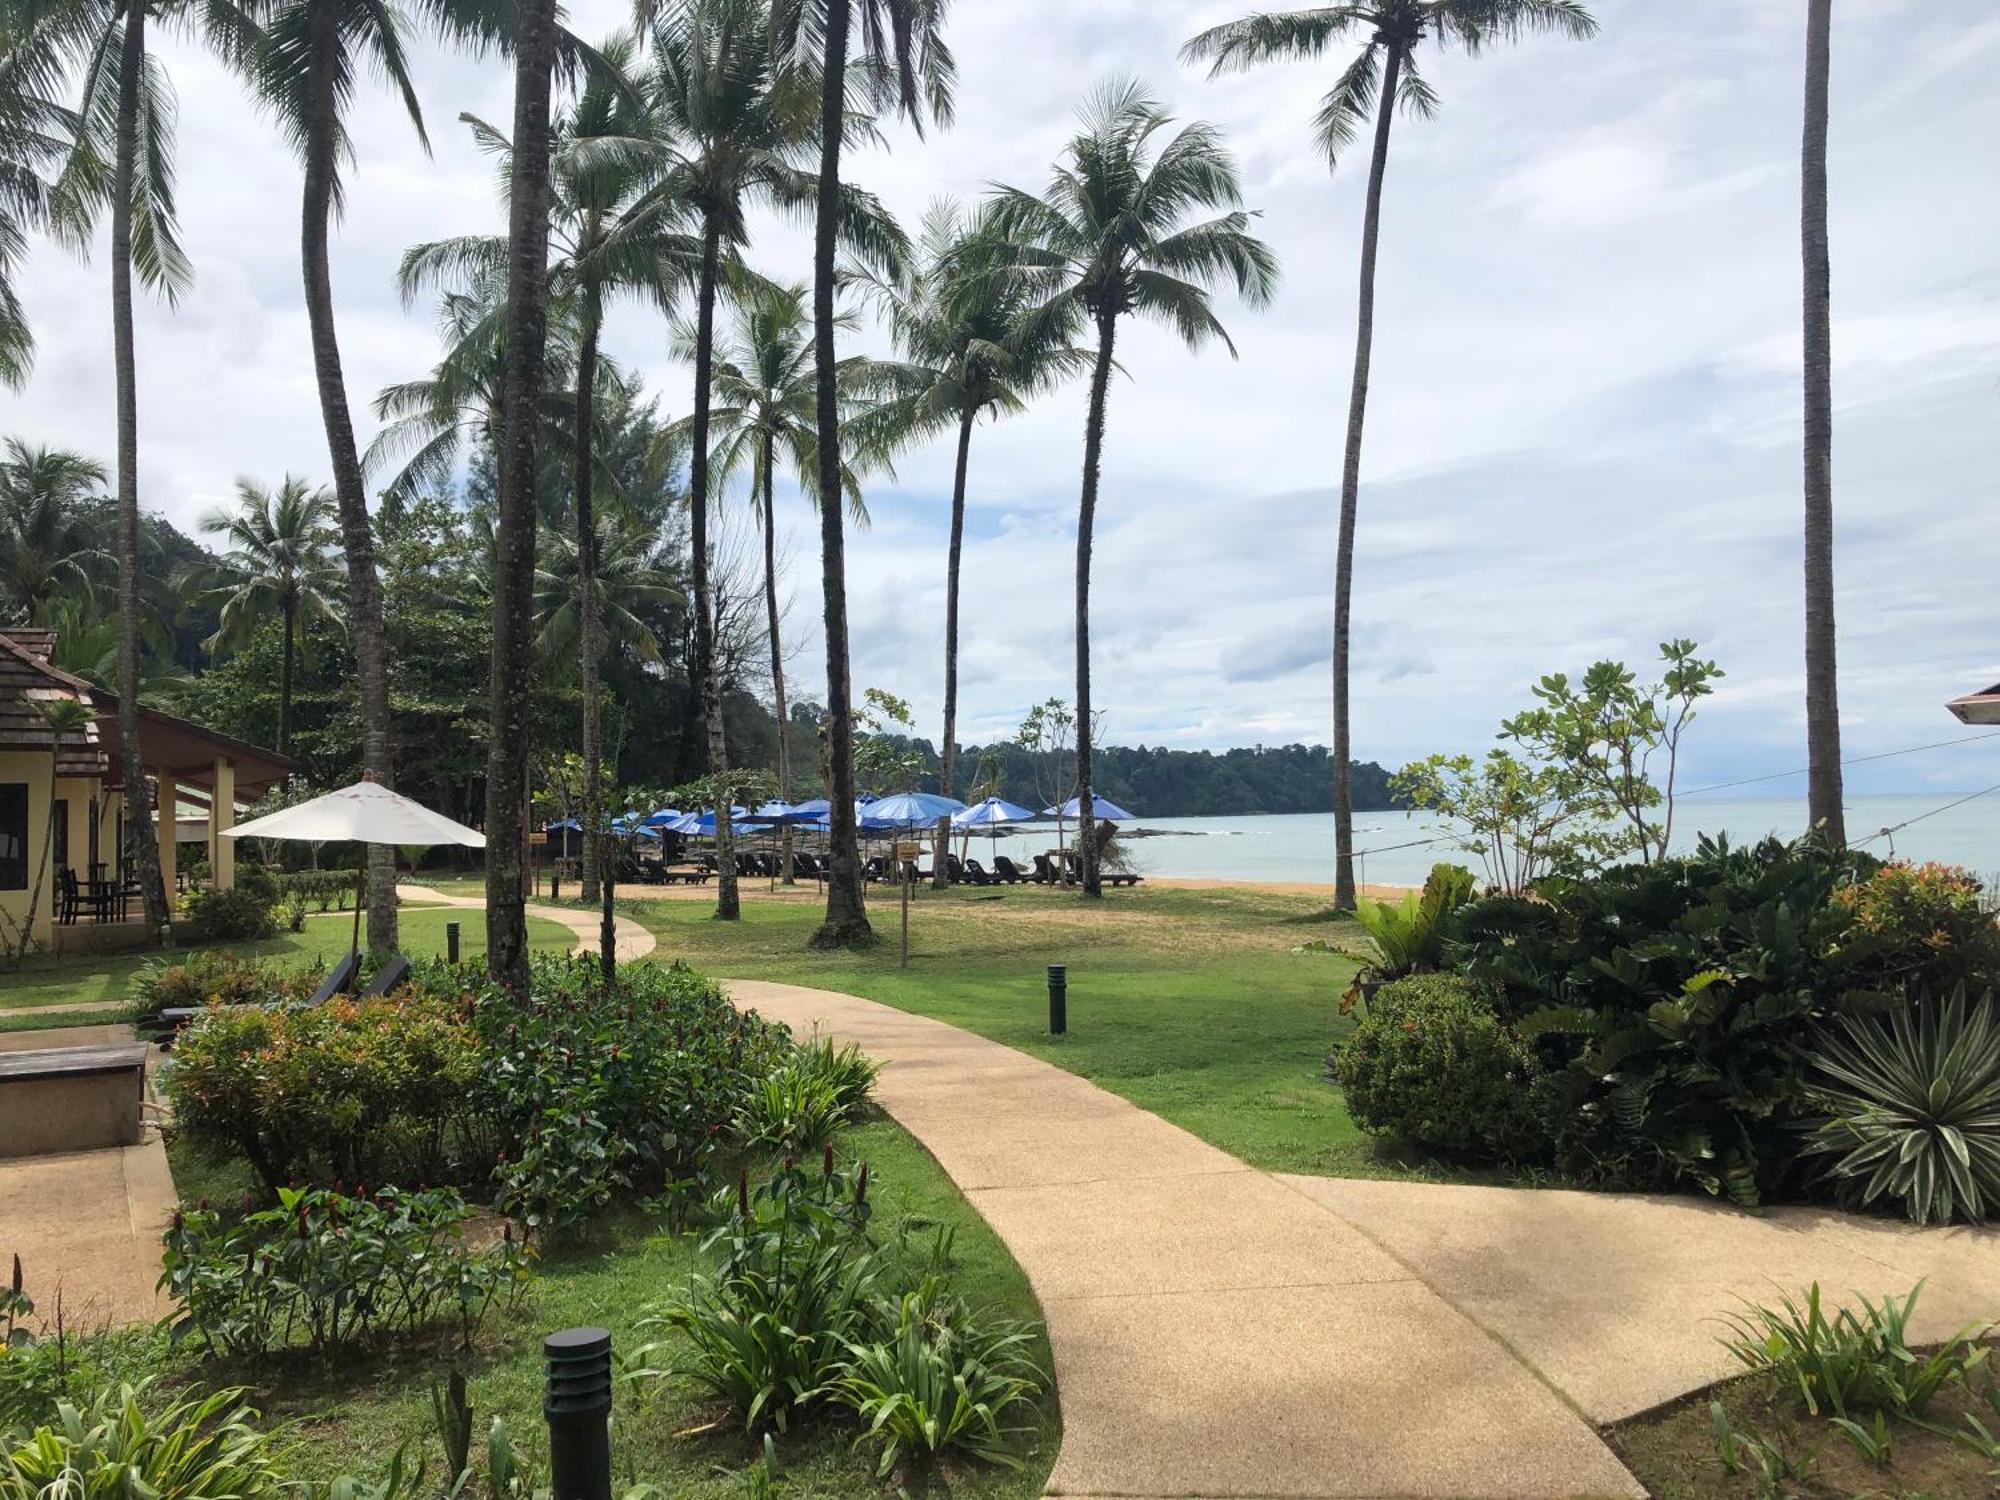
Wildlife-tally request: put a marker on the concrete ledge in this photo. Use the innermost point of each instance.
(71, 1099)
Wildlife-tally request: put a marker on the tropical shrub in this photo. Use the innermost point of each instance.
(937, 1377)
(1918, 929)
(238, 915)
(1912, 1111)
(845, 1070)
(328, 1270)
(1671, 1005)
(1408, 933)
(214, 976)
(768, 1332)
(382, 1090)
(322, 890)
(591, 1090)
(115, 1447)
(1430, 1063)
(1850, 1360)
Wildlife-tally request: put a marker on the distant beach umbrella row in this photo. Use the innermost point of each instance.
(876, 815)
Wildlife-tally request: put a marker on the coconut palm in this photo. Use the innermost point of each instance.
(121, 157)
(633, 579)
(306, 68)
(36, 132)
(764, 382)
(1111, 238)
(52, 544)
(969, 347)
(1380, 77)
(905, 65)
(1823, 779)
(609, 238)
(280, 556)
(742, 128)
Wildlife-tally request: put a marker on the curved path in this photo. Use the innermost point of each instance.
(634, 941)
(1216, 1331)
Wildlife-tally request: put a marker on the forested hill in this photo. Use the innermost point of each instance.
(1155, 782)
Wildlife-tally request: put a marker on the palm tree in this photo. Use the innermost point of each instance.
(1823, 780)
(969, 347)
(1110, 239)
(524, 346)
(1380, 77)
(765, 383)
(281, 544)
(741, 127)
(610, 239)
(36, 132)
(49, 547)
(306, 66)
(904, 64)
(121, 154)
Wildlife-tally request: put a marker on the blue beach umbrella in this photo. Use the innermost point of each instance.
(990, 814)
(909, 808)
(1100, 807)
(662, 818)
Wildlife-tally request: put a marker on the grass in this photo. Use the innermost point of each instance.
(1191, 1003)
(350, 1416)
(98, 977)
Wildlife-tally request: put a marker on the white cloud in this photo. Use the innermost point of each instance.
(1583, 420)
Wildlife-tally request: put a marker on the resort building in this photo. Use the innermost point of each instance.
(81, 891)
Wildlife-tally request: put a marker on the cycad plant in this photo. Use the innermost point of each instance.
(1377, 80)
(968, 345)
(1114, 236)
(1912, 1108)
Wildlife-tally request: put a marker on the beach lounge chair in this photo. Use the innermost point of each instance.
(1010, 872)
(339, 980)
(877, 869)
(973, 873)
(1047, 874)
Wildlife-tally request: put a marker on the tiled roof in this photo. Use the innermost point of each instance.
(27, 680)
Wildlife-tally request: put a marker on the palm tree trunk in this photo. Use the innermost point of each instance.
(1350, 495)
(1086, 523)
(512, 729)
(728, 901)
(365, 622)
(765, 480)
(948, 755)
(949, 752)
(138, 797)
(591, 625)
(1823, 779)
(291, 614)
(846, 921)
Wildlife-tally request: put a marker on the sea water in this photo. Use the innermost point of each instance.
(1399, 848)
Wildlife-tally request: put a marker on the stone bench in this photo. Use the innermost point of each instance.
(71, 1099)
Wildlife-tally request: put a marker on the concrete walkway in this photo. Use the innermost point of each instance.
(634, 941)
(1216, 1331)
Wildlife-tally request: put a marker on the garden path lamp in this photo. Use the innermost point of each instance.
(364, 813)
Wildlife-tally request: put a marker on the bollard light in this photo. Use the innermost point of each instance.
(577, 1404)
(451, 942)
(1058, 999)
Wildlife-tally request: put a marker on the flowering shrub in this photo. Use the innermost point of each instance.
(238, 915)
(327, 1269)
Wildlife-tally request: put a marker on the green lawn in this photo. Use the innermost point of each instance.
(80, 981)
(352, 1415)
(1194, 1004)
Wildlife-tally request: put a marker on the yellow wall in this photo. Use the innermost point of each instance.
(33, 768)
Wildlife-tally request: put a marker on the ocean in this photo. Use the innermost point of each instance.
(1399, 848)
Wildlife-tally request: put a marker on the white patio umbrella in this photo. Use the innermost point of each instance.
(362, 814)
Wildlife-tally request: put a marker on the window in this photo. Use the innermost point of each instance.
(13, 836)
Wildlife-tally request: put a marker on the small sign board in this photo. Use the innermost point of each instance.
(539, 836)
(907, 849)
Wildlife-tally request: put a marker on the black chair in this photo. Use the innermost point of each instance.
(978, 874)
(339, 980)
(67, 896)
(1010, 872)
(1047, 874)
(393, 973)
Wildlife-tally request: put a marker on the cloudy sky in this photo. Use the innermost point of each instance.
(1584, 428)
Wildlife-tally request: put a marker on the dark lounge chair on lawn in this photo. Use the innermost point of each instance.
(394, 971)
(877, 869)
(1010, 872)
(971, 872)
(1047, 874)
(339, 980)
